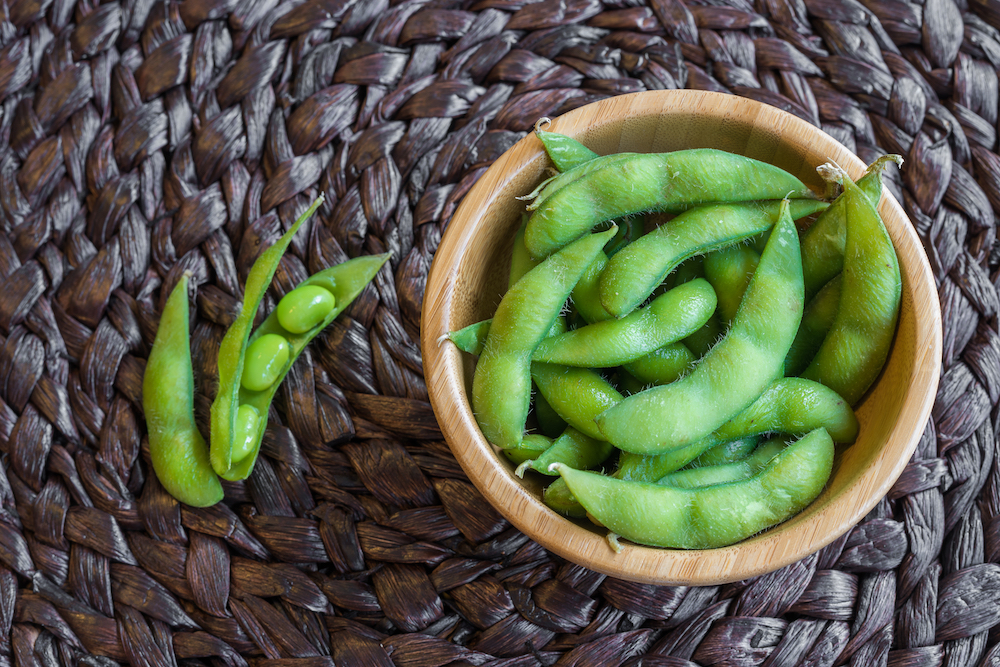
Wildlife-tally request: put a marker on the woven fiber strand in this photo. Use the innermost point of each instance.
(142, 139)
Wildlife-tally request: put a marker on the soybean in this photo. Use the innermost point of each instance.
(265, 360)
(302, 309)
(708, 517)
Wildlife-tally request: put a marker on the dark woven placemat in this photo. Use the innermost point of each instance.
(140, 139)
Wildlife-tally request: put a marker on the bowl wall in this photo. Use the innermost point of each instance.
(469, 276)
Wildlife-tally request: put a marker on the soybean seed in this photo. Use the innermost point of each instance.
(266, 358)
(247, 420)
(305, 307)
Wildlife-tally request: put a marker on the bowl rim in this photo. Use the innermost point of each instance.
(584, 546)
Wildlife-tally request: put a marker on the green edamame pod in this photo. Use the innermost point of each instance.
(667, 319)
(729, 271)
(726, 452)
(817, 318)
(733, 373)
(794, 406)
(586, 297)
(472, 339)
(501, 384)
(823, 243)
(855, 349)
(345, 282)
(725, 473)
(520, 261)
(176, 447)
(232, 350)
(708, 517)
(565, 152)
(572, 448)
(633, 274)
(559, 498)
(530, 447)
(663, 365)
(624, 184)
(576, 394)
(549, 421)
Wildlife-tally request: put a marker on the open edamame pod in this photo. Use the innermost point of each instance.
(176, 447)
(667, 319)
(233, 349)
(613, 186)
(857, 345)
(711, 516)
(344, 282)
(638, 269)
(501, 383)
(734, 372)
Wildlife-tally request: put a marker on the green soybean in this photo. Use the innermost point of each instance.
(667, 319)
(614, 186)
(501, 383)
(733, 373)
(302, 309)
(708, 517)
(265, 360)
(176, 447)
(633, 273)
(857, 345)
(572, 448)
(247, 422)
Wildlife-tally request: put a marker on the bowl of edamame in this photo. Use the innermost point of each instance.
(681, 337)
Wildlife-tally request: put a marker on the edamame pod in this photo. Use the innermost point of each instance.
(667, 319)
(817, 318)
(576, 394)
(501, 384)
(520, 261)
(232, 350)
(733, 373)
(472, 339)
(729, 271)
(530, 447)
(572, 448)
(708, 517)
(627, 183)
(176, 447)
(633, 273)
(586, 296)
(345, 282)
(726, 452)
(565, 152)
(725, 473)
(823, 243)
(794, 406)
(663, 365)
(558, 498)
(856, 347)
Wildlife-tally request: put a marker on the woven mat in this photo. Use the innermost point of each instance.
(142, 139)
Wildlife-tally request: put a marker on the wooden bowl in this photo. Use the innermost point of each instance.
(469, 275)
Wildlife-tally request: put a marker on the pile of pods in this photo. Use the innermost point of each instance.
(704, 368)
(251, 367)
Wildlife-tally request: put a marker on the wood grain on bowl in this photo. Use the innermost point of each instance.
(469, 275)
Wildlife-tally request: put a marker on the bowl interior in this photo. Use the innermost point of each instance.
(469, 276)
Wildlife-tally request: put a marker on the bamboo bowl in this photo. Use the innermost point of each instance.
(469, 275)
